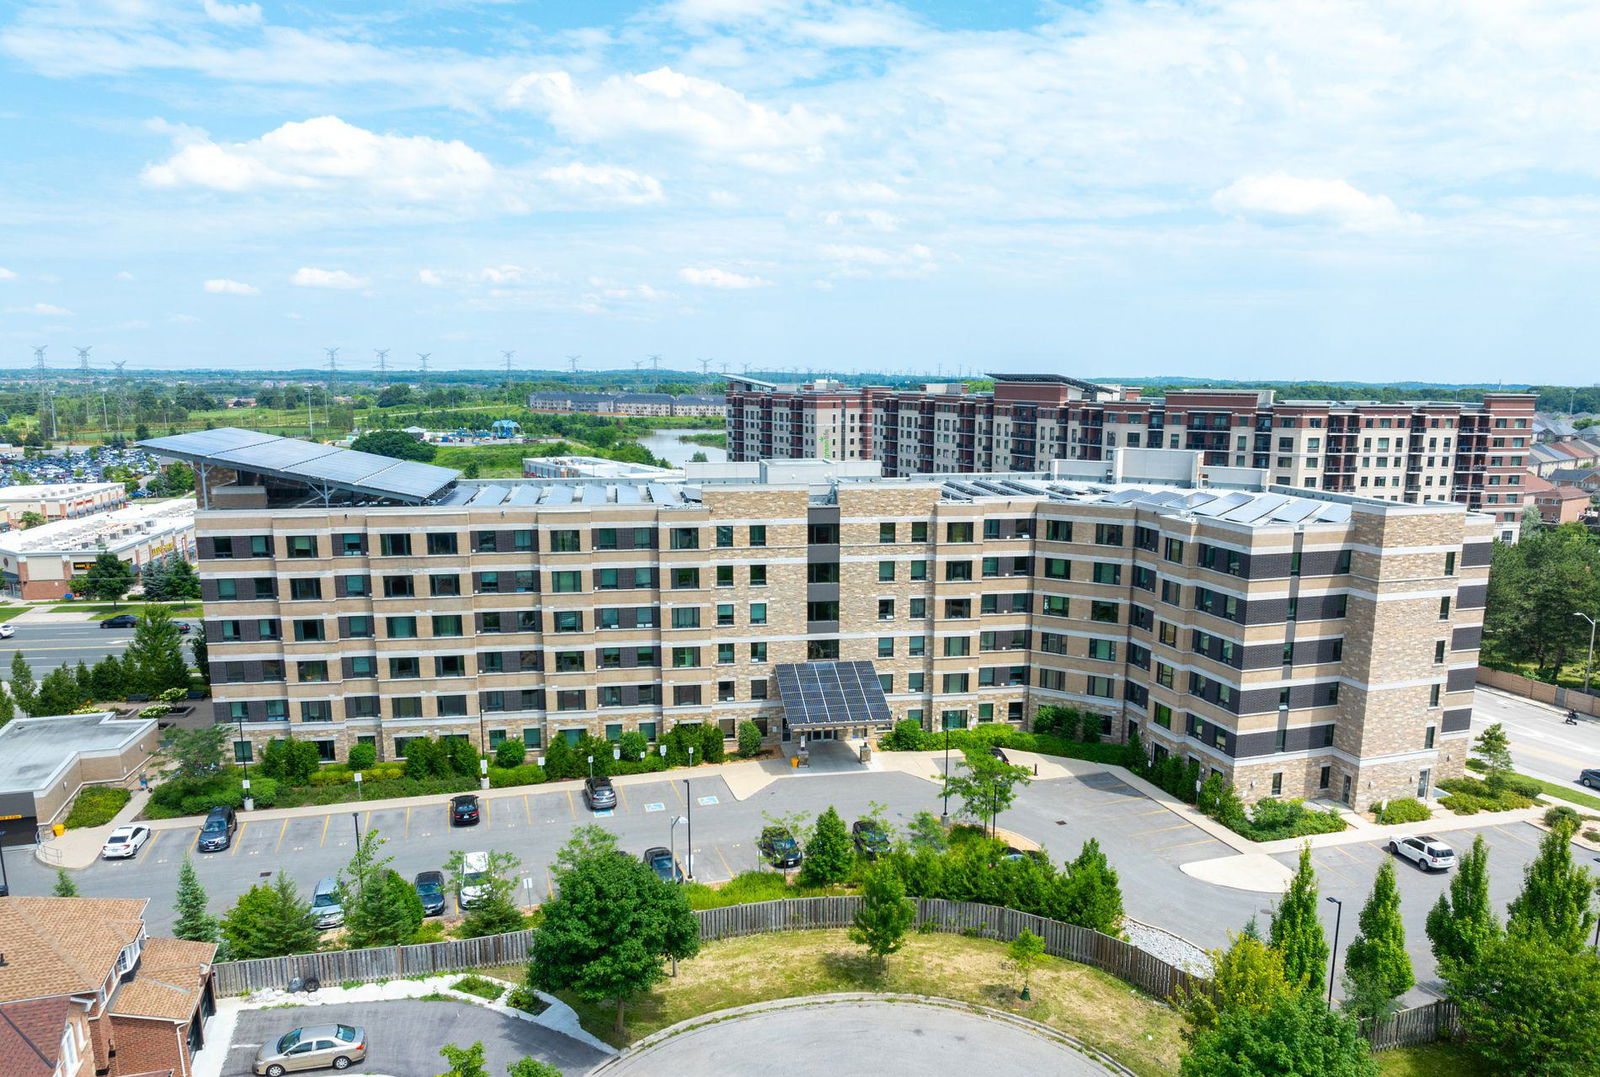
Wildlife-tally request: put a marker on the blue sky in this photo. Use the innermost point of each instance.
(1237, 188)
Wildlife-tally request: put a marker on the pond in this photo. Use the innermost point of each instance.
(666, 444)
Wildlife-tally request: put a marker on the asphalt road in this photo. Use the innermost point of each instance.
(46, 646)
(1542, 744)
(859, 1039)
(404, 1036)
(1145, 843)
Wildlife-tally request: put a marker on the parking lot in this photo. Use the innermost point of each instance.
(404, 1036)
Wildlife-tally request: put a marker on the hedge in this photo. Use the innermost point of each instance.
(97, 805)
(909, 736)
(1468, 796)
(1403, 810)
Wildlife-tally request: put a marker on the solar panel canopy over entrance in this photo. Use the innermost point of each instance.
(831, 695)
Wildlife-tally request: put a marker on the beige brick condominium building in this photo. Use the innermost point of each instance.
(1413, 451)
(1304, 643)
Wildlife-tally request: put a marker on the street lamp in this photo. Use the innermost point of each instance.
(1333, 958)
(244, 757)
(688, 849)
(944, 817)
(672, 842)
(1588, 669)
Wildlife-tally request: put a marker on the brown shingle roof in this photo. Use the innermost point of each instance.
(30, 1036)
(63, 946)
(171, 974)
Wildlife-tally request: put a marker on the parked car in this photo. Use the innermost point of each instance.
(999, 753)
(430, 888)
(1425, 851)
(464, 810)
(474, 876)
(599, 794)
(125, 841)
(1590, 778)
(7, 631)
(327, 903)
(779, 848)
(315, 1047)
(664, 864)
(121, 620)
(216, 833)
(870, 838)
(183, 627)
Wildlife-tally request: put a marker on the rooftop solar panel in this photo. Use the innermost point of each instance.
(662, 494)
(407, 478)
(557, 495)
(1256, 508)
(489, 495)
(525, 494)
(628, 494)
(595, 495)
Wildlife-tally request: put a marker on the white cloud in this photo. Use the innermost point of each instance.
(233, 14)
(7, 274)
(125, 275)
(604, 182)
(852, 260)
(1279, 198)
(499, 276)
(224, 286)
(712, 277)
(328, 154)
(38, 308)
(307, 277)
(670, 105)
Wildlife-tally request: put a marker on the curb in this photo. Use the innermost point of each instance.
(655, 1039)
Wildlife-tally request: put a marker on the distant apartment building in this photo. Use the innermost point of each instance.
(62, 501)
(42, 562)
(1410, 452)
(1302, 643)
(630, 404)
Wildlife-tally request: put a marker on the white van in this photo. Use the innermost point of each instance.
(474, 877)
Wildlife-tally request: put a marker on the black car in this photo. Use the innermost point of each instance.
(1590, 778)
(183, 627)
(121, 620)
(664, 864)
(999, 753)
(430, 888)
(870, 838)
(599, 794)
(779, 848)
(464, 810)
(216, 833)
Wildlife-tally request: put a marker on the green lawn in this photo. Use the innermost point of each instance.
(1435, 1060)
(494, 461)
(8, 612)
(102, 610)
(1562, 792)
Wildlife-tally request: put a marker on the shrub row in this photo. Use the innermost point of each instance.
(96, 805)
(909, 736)
(1403, 810)
(1468, 796)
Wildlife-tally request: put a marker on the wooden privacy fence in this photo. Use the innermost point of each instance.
(1421, 1024)
(1428, 1023)
(1539, 691)
(381, 963)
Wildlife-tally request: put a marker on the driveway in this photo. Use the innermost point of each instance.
(404, 1037)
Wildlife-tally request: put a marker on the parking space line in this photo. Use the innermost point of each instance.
(326, 819)
(282, 830)
(1160, 829)
(1187, 844)
(1348, 853)
(571, 807)
(622, 795)
(678, 793)
(1515, 837)
(1148, 811)
(238, 839)
(408, 821)
(488, 820)
(155, 836)
(526, 810)
(726, 866)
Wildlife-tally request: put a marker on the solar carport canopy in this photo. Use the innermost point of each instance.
(317, 466)
(831, 695)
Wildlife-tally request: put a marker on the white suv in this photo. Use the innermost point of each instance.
(1428, 853)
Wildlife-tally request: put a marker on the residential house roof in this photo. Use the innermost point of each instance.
(30, 1036)
(172, 976)
(1573, 476)
(63, 946)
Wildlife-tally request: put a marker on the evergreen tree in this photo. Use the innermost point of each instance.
(381, 908)
(1555, 894)
(560, 761)
(8, 707)
(749, 740)
(1377, 967)
(829, 854)
(154, 661)
(108, 579)
(191, 921)
(1296, 931)
(1091, 895)
(885, 915)
(271, 920)
(58, 693)
(84, 681)
(22, 686)
(532, 1067)
(1461, 923)
(64, 887)
(106, 679)
(201, 650)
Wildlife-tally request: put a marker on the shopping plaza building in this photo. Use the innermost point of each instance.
(1302, 642)
(1405, 451)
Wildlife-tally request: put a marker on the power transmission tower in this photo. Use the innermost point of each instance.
(655, 363)
(122, 392)
(83, 358)
(508, 356)
(573, 359)
(47, 400)
(333, 368)
(422, 357)
(383, 363)
(705, 366)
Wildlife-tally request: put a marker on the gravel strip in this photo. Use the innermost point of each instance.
(1170, 948)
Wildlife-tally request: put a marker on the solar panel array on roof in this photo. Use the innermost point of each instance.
(662, 494)
(489, 495)
(525, 495)
(826, 695)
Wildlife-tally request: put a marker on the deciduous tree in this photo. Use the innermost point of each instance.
(1556, 893)
(381, 908)
(1377, 967)
(1493, 749)
(108, 579)
(1528, 1005)
(885, 915)
(1461, 923)
(988, 786)
(1091, 893)
(1247, 976)
(1297, 1036)
(196, 753)
(271, 920)
(1296, 931)
(494, 911)
(1024, 953)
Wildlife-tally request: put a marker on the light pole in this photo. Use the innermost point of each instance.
(944, 817)
(1588, 668)
(1333, 958)
(688, 849)
(244, 757)
(672, 842)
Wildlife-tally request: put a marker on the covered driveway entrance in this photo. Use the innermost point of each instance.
(825, 701)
